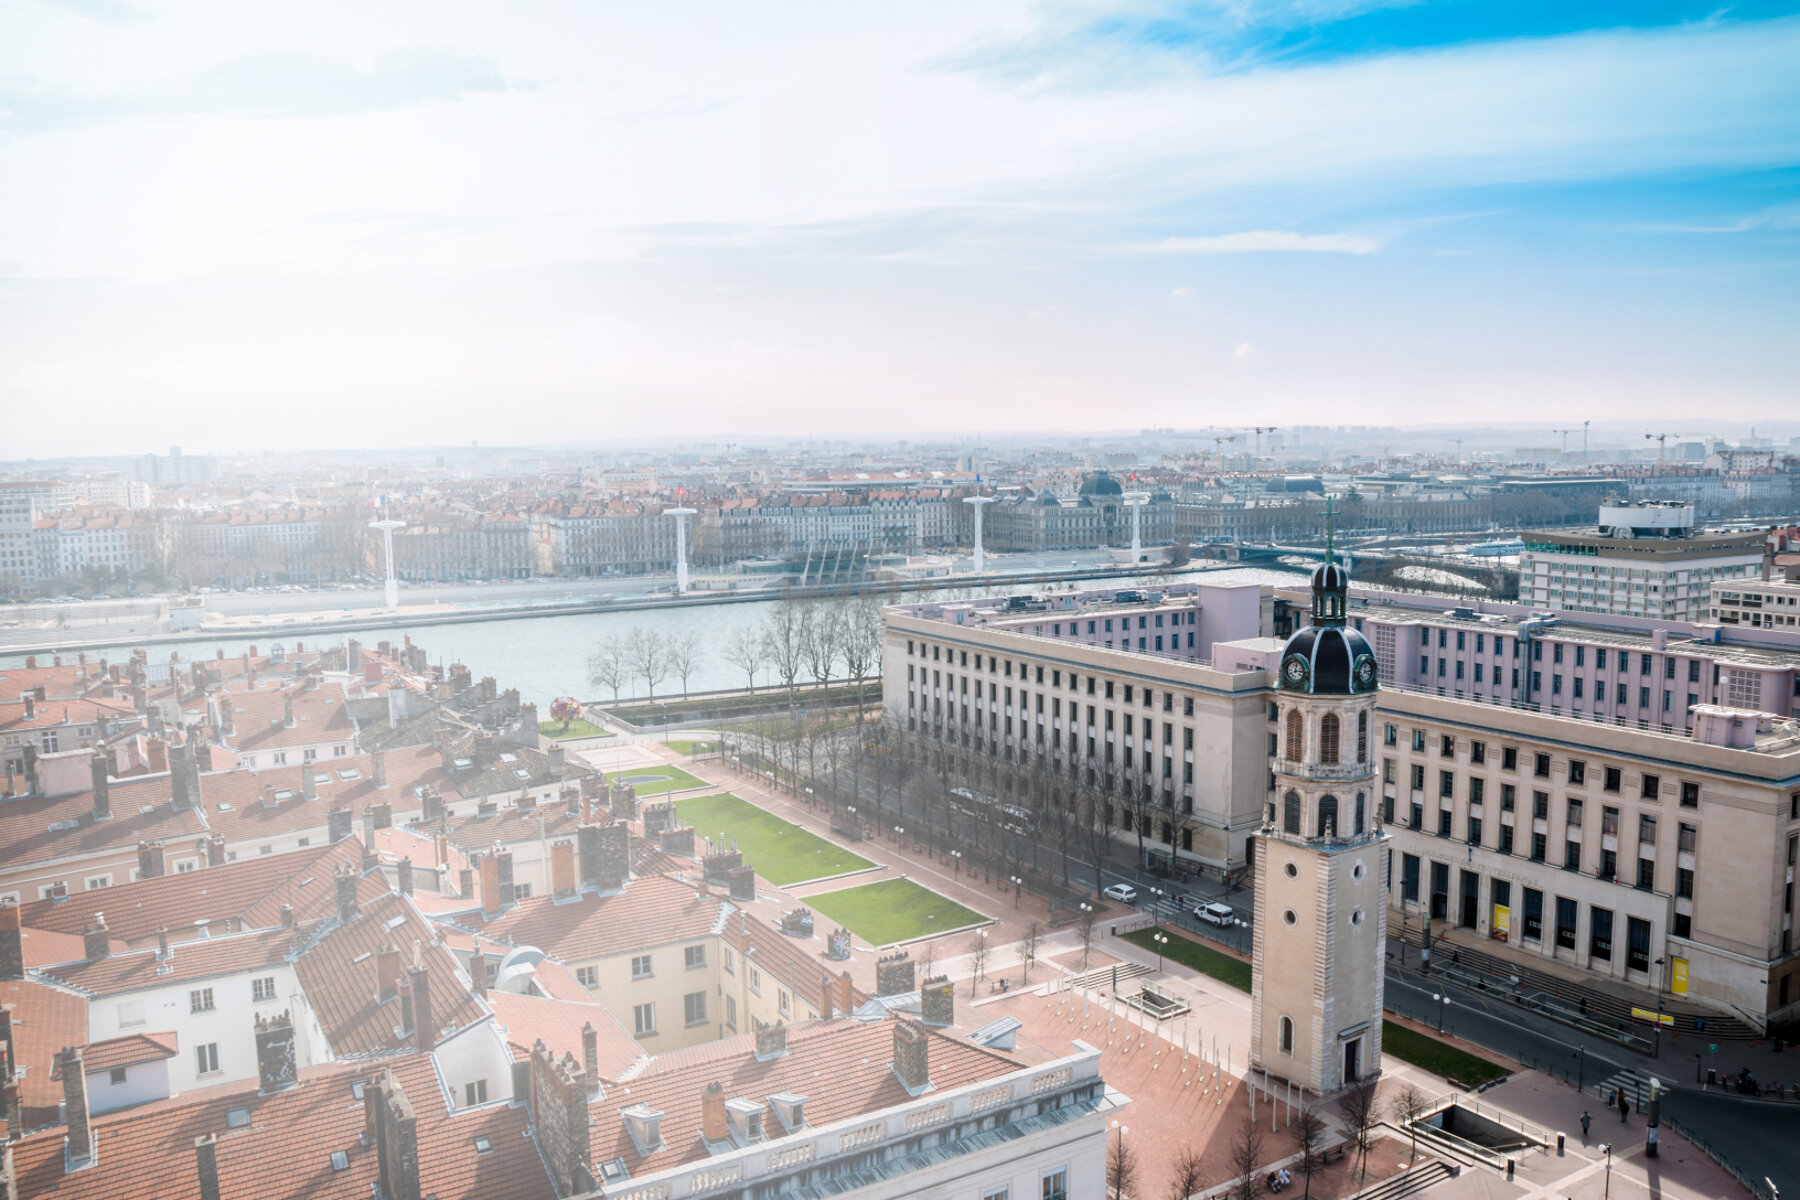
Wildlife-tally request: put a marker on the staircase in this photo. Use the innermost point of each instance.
(1593, 1004)
(1409, 1182)
(1102, 977)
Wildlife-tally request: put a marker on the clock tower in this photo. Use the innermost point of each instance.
(1321, 920)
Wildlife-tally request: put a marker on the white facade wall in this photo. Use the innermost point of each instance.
(230, 1023)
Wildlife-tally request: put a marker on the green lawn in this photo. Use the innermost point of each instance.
(894, 910)
(656, 779)
(690, 747)
(578, 728)
(1189, 953)
(1440, 1058)
(781, 851)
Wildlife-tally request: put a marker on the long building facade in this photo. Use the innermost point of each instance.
(1601, 792)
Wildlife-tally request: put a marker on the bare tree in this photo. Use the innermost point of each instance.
(1084, 932)
(823, 624)
(1308, 1132)
(1185, 1177)
(648, 656)
(683, 652)
(978, 956)
(1121, 1168)
(1406, 1107)
(860, 644)
(784, 643)
(1360, 1112)
(1247, 1159)
(1028, 948)
(606, 664)
(744, 650)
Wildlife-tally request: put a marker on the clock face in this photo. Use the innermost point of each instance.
(1294, 671)
(1365, 671)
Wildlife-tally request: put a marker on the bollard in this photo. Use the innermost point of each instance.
(1511, 1165)
(1562, 1140)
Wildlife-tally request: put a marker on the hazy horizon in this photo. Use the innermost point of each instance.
(231, 228)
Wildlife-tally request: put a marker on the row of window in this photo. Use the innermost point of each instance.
(1612, 779)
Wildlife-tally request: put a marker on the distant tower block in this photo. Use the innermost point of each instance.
(979, 502)
(1136, 502)
(681, 575)
(387, 528)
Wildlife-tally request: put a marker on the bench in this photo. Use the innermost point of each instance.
(1334, 1153)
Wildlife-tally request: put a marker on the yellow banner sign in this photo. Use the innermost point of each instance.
(1644, 1014)
(1678, 976)
(1502, 919)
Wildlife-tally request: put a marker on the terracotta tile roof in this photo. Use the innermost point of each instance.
(649, 912)
(45, 1019)
(801, 965)
(48, 714)
(40, 829)
(127, 1051)
(843, 1068)
(135, 910)
(338, 973)
(188, 962)
(510, 825)
(58, 682)
(284, 1153)
(310, 893)
(320, 715)
(43, 947)
(249, 818)
(525, 1020)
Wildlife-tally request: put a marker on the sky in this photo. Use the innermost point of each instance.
(242, 226)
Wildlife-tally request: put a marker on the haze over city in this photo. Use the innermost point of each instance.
(227, 226)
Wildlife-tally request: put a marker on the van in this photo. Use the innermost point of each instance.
(1216, 914)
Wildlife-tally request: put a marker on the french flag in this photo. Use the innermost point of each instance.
(378, 501)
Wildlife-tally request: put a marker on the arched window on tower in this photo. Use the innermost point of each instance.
(1362, 736)
(1327, 816)
(1359, 814)
(1296, 735)
(1287, 1035)
(1290, 813)
(1328, 738)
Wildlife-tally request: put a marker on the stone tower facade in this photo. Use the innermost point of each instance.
(1316, 992)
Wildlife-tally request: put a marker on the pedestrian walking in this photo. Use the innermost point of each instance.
(1624, 1109)
(1586, 1120)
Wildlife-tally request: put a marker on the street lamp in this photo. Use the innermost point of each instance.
(1607, 1147)
(1443, 1002)
(1018, 887)
(957, 855)
(1161, 940)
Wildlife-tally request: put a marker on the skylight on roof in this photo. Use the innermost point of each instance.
(396, 922)
(461, 764)
(237, 1118)
(349, 773)
(508, 756)
(224, 807)
(356, 1089)
(339, 1160)
(365, 955)
(482, 1145)
(285, 794)
(521, 772)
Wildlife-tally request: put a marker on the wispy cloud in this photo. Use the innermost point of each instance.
(1781, 217)
(102, 10)
(268, 85)
(1260, 241)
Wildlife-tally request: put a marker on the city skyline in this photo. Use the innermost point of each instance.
(850, 222)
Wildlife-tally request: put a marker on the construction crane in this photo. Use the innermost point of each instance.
(1260, 430)
(1218, 442)
(1565, 442)
(1662, 445)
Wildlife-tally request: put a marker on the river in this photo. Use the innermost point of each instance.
(546, 657)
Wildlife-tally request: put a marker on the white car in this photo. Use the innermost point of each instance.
(1124, 893)
(1216, 914)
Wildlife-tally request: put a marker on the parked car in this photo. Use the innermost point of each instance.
(1124, 893)
(1216, 914)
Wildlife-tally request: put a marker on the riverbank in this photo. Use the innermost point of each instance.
(314, 624)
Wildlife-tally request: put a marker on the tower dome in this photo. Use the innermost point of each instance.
(1328, 658)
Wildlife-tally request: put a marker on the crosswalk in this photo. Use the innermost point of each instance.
(1635, 1086)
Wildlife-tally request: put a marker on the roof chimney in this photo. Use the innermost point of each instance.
(95, 943)
(344, 880)
(378, 768)
(12, 945)
(206, 1165)
(478, 972)
(396, 1132)
(80, 1144)
(558, 762)
(156, 755)
(268, 795)
(387, 973)
(912, 1057)
(937, 1002)
(277, 1067)
(403, 872)
(418, 982)
(150, 859)
(562, 869)
(162, 946)
(771, 1041)
(215, 849)
(559, 1118)
(714, 1127)
(102, 795)
(590, 1055)
(337, 825)
(490, 885)
(287, 709)
(309, 785)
